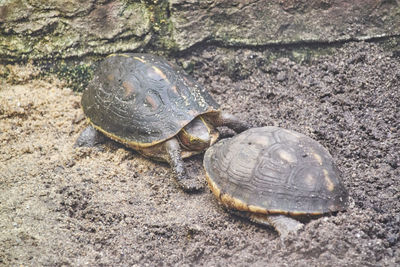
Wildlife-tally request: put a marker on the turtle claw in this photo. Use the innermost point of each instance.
(187, 183)
(89, 137)
(240, 126)
(190, 185)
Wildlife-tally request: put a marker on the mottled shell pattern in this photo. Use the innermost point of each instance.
(142, 99)
(273, 170)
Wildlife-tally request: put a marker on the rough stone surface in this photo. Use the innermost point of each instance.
(109, 206)
(71, 28)
(257, 23)
(34, 29)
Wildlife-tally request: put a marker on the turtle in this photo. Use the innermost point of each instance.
(152, 106)
(275, 177)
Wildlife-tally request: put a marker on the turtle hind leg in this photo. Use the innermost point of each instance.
(282, 224)
(174, 158)
(89, 137)
(231, 121)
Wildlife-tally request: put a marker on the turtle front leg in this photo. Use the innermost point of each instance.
(230, 121)
(89, 137)
(174, 158)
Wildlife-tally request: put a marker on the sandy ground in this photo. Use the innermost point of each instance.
(109, 206)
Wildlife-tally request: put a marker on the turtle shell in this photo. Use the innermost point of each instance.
(273, 170)
(142, 99)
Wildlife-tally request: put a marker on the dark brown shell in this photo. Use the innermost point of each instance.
(273, 170)
(142, 99)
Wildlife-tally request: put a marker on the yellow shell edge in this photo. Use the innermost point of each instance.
(237, 204)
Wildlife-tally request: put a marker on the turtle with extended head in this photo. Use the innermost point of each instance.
(274, 176)
(150, 105)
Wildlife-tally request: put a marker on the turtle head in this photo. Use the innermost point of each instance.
(196, 136)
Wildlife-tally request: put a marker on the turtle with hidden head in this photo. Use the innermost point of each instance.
(274, 177)
(153, 107)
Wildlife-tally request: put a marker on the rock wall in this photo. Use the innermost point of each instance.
(40, 29)
(258, 23)
(71, 28)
